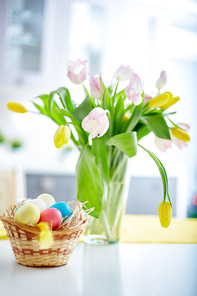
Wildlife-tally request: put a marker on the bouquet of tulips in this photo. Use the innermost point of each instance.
(107, 128)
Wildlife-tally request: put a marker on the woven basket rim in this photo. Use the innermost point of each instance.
(36, 230)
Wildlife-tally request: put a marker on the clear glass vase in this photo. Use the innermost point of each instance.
(106, 229)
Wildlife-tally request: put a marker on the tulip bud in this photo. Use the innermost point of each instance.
(159, 100)
(162, 80)
(16, 107)
(172, 100)
(165, 214)
(97, 122)
(96, 88)
(123, 73)
(126, 116)
(62, 136)
(77, 71)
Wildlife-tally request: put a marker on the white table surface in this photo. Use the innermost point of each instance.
(122, 269)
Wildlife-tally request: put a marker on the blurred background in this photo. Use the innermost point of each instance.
(38, 37)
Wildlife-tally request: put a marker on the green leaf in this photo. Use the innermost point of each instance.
(41, 109)
(82, 110)
(158, 125)
(142, 131)
(57, 117)
(126, 142)
(135, 117)
(119, 109)
(106, 96)
(65, 98)
(50, 102)
(89, 187)
(100, 152)
(64, 112)
(163, 173)
(44, 99)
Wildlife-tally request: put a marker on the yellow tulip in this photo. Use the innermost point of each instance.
(62, 136)
(180, 134)
(165, 214)
(172, 100)
(16, 107)
(159, 100)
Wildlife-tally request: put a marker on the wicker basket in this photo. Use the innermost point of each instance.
(24, 238)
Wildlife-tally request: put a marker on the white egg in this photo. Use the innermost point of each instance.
(38, 202)
(47, 198)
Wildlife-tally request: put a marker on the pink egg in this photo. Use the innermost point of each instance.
(52, 216)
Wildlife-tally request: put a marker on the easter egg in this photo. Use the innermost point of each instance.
(64, 208)
(52, 216)
(38, 202)
(27, 214)
(47, 198)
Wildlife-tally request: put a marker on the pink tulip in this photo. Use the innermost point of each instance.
(136, 82)
(179, 143)
(97, 122)
(77, 71)
(162, 80)
(163, 144)
(123, 73)
(96, 88)
(134, 90)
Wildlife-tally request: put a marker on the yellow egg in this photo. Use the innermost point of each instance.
(27, 214)
(47, 198)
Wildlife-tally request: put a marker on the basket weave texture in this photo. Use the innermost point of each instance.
(25, 244)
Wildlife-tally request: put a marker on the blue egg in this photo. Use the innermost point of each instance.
(64, 208)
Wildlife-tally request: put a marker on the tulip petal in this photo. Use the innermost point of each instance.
(163, 144)
(161, 82)
(159, 100)
(180, 134)
(172, 100)
(123, 73)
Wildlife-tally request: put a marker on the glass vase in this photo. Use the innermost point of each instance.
(106, 229)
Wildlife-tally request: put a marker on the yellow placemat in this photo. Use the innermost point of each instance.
(147, 229)
(2, 232)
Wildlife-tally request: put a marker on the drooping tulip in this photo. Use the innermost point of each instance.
(77, 71)
(123, 73)
(165, 214)
(16, 107)
(96, 122)
(180, 134)
(134, 90)
(62, 136)
(96, 87)
(161, 82)
(180, 137)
